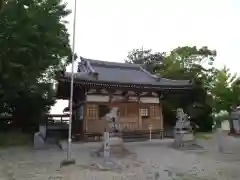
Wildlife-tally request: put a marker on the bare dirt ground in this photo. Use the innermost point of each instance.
(151, 160)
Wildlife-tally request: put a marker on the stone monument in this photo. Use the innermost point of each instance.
(39, 138)
(235, 118)
(183, 133)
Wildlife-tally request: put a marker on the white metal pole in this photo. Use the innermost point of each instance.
(71, 88)
(150, 132)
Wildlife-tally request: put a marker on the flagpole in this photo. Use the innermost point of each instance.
(72, 78)
(69, 159)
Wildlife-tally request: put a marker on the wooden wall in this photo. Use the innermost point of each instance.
(130, 114)
(155, 118)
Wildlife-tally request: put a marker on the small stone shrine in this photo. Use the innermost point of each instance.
(183, 134)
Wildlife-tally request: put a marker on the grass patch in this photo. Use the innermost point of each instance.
(14, 139)
(204, 136)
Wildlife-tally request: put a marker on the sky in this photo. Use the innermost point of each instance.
(108, 29)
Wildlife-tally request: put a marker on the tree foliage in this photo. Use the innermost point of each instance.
(226, 91)
(150, 61)
(216, 89)
(34, 49)
(1, 5)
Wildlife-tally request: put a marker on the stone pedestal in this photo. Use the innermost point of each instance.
(185, 141)
(113, 144)
(116, 145)
(115, 141)
(116, 148)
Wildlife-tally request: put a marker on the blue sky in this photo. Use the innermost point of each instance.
(108, 29)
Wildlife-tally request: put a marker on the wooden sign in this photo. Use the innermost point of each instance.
(92, 91)
(118, 92)
(104, 91)
(117, 98)
(131, 93)
(154, 94)
(143, 93)
(124, 99)
(133, 98)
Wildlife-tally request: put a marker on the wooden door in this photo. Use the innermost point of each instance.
(129, 115)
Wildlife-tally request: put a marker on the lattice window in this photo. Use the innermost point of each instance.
(154, 110)
(92, 111)
(144, 112)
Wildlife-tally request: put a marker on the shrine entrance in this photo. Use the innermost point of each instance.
(129, 115)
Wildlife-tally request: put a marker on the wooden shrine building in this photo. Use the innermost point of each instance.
(97, 83)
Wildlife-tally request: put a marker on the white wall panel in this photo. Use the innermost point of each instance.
(97, 98)
(154, 100)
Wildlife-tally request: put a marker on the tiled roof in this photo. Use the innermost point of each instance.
(113, 72)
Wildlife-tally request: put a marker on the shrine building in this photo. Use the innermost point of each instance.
(98, 83)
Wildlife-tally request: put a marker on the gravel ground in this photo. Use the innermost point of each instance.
(151, 160)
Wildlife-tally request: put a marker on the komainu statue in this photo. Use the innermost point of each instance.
(183, 130)
(113, 142)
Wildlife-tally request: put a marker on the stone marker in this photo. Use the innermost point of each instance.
(219, 140)
(38, 141)
(43, 131)
(235, 118)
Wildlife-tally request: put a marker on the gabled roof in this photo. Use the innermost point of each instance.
(121, 73)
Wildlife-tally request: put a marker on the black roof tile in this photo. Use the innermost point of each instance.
(113, 72)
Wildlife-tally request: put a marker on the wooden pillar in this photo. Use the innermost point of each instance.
(161, 112)
(139, 112)
(85, 126)
(110, 94)
(161, 116)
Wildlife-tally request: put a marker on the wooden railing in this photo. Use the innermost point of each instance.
(128, 126)
(134, 135)
(57, 118)
(57, 125)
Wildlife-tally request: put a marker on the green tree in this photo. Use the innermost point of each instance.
(190, 63)
(222, 91)
(226, 92)
(34, 49)
(149, 60)
(1, 5)
(194, 64)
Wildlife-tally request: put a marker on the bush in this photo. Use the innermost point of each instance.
(15, 139)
